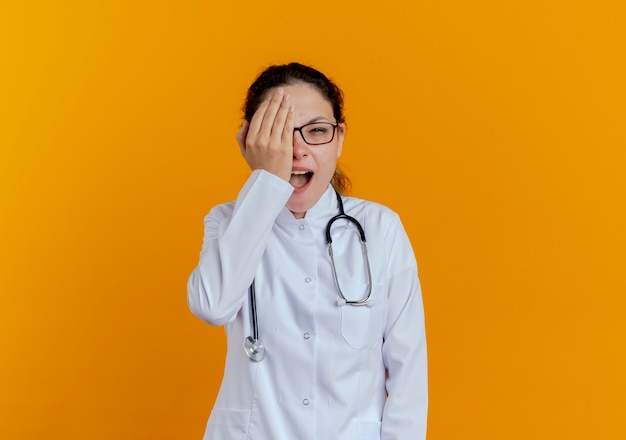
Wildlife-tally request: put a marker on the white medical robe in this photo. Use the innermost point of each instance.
(330, 371)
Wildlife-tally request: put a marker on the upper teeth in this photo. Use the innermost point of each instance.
(298, 172)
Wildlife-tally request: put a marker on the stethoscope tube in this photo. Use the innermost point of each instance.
(342, 215)
(253, 346)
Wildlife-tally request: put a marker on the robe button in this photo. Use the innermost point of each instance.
(307, 280)
(305, 402)
(302, 227)
(307, 336)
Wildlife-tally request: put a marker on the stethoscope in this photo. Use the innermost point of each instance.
(253, 346)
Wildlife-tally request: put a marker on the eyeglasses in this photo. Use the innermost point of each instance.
(317, 133)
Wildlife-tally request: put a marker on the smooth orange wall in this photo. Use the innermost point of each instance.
(496, 129)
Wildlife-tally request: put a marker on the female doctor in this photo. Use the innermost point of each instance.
(320, 346)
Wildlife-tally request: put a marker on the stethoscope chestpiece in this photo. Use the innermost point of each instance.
(254, 348)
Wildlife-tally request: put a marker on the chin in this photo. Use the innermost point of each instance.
(303, 201)
(299, 204)
(298, 208)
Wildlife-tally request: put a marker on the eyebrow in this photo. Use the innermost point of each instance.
(317, 119)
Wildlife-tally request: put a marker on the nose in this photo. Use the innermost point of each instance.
(300, 148)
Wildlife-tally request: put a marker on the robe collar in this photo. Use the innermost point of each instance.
(325, 208)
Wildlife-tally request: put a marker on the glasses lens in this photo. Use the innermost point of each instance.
(318, 133)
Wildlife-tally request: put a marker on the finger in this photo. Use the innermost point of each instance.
(280, 119)
(270, 114)
(287, 131)
(257, 118)
(242, 135)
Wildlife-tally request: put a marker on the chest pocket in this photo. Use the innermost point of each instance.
(361, 326)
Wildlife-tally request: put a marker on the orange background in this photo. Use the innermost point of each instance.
(496, 129)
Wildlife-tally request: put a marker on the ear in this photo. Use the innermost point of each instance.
(341, 132)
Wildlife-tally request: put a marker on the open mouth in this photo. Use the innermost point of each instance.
(299, 179)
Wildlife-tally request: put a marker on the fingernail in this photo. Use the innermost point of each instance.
(286, 97)
(279, 91)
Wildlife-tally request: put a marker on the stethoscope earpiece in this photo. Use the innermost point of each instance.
(343, 302)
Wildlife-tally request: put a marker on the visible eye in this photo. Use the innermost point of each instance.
(317, 129)
(317, 133)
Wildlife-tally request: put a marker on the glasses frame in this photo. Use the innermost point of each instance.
(334, 125)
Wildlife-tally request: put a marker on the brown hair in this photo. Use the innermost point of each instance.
(293, 73)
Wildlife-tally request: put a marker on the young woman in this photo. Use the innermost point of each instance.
(321, 344)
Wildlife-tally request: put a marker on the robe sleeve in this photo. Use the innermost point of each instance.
(235, 237)
(404, 343)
